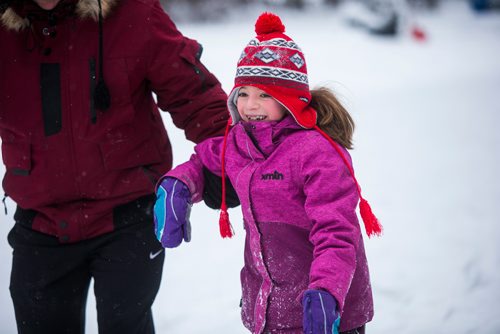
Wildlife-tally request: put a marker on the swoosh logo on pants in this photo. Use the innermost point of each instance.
(153, 255)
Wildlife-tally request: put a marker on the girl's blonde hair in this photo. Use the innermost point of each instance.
(333, 118)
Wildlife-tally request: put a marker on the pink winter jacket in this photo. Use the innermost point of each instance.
(298, 201)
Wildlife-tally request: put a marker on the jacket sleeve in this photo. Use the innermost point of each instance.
(192, 173)
(331, 200)
(183, 86)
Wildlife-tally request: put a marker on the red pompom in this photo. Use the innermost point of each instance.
(268, 23)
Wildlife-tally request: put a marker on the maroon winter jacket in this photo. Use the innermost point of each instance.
(68, 162)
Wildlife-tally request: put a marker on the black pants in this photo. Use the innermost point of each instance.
(50, 281)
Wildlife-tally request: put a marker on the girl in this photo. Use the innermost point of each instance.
(305, 265)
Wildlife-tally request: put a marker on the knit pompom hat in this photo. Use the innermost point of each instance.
(274, 63)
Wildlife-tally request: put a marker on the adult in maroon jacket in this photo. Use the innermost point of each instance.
(83, 145)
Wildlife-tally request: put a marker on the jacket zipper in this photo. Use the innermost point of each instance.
(93, 113)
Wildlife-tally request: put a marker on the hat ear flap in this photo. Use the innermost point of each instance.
(308, 118)
(232, 102)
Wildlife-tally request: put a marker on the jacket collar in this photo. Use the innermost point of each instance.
(266, 136)
(14, 19)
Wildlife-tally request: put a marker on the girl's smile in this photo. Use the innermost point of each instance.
(256, 117)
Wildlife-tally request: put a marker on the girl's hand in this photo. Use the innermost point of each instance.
(171, 212)
(320, 313)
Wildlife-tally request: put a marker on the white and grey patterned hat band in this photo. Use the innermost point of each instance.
(271, 72)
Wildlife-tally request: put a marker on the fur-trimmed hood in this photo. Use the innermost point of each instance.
(84, 9)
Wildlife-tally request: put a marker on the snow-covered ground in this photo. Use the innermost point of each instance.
(427, 154)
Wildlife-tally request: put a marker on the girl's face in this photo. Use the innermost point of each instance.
(256, 105)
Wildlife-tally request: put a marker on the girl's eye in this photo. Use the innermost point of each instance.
(242, 94)
(265, 96)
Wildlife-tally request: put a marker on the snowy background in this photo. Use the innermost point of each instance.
(427, 154)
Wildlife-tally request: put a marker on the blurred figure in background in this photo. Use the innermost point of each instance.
(387, 18)
(484, 5)
(379, 17)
